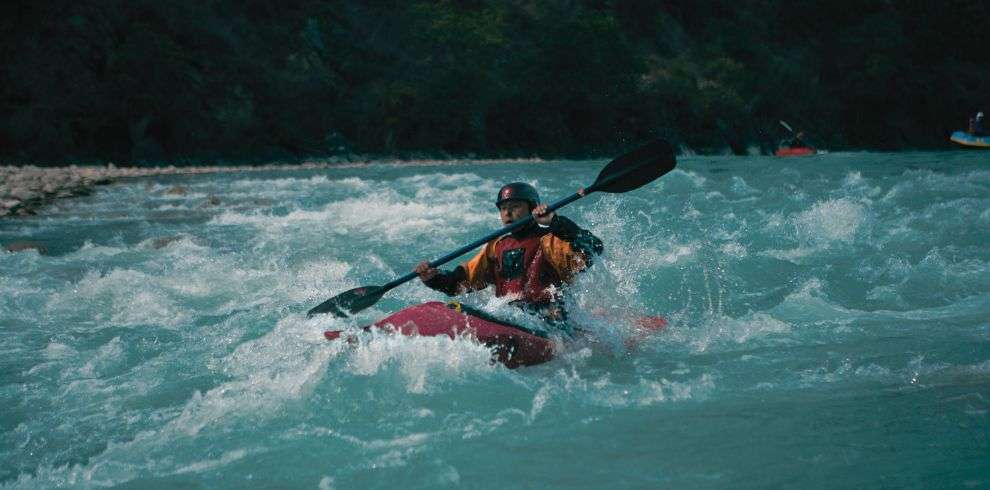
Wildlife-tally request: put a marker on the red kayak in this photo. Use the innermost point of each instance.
(797, 151)
(511, 345)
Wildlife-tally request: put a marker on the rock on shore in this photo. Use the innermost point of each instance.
(25, 189)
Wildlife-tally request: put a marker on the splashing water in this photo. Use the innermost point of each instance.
(828, 327)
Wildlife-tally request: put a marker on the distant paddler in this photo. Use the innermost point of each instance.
(975, 135)
(976, 125)
(795, 145)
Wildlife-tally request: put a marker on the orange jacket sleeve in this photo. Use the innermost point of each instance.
(562, 257)
(479, 270)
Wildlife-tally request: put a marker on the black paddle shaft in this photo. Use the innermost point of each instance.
(623, 174)
(483, 240)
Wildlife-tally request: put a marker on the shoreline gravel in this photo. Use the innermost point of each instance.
(26, 189)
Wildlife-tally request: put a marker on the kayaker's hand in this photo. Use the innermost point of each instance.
(425, 271)
(541, 215)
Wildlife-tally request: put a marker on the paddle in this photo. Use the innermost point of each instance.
(788, 127)
(627, 172)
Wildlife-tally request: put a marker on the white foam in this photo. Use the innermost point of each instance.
(89, 251)
(649, 254)
(741, 187)
(926, 182)
(284, 365)
(298, 184)
(886, 294)
(121, 297)
(147, 307)
(419, 359)
(792, 255)
(833, 220)
(539, 401)
(314, 279)
(57, 351)
(108, 356)
(448, 181)
(386, 216)
(449, 475)
(660, 391)
(718, 330)
(604, 391)
(695, 179)
(826, 224)
(410, 440)
(326, 483)
(854, 184)
(479, 427)
(211, 464)
(774, 222)
(397, 220)
(734, 249)
(809, 305)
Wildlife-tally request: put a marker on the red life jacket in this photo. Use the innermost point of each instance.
(521, 269)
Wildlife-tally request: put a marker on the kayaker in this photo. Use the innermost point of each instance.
(531, 263)
(978, 124)
(796, 142)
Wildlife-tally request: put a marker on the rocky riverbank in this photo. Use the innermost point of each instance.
(23, 190)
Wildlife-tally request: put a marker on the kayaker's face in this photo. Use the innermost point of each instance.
(514, 210)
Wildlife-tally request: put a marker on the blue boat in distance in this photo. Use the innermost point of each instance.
(970, 140)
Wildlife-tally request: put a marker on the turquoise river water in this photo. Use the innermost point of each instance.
(829, 327)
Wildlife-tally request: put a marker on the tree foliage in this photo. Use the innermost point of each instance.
(137, 81)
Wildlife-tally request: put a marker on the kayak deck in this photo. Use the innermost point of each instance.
(970, 140)
(799, 151)
(511, 345)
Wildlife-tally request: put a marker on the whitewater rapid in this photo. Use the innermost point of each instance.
(828, 327)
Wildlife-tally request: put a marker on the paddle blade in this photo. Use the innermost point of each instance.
(349, 302)
(786, 126)
(636, 168)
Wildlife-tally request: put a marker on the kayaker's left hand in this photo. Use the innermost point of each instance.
(425, 272)
(541, 215)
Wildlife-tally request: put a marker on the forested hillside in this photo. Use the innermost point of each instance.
(149, 81)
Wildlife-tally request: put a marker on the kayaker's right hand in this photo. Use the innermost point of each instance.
(425, 271)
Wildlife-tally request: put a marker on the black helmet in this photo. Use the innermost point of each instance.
(518, 190)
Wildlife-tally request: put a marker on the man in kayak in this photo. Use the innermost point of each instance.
(531, 263)
(976, 125)
(796, 142)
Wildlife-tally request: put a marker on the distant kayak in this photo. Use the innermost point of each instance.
(970, 141)
(512, 345)
(798, 151)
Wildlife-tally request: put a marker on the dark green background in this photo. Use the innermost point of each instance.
(141, 81)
